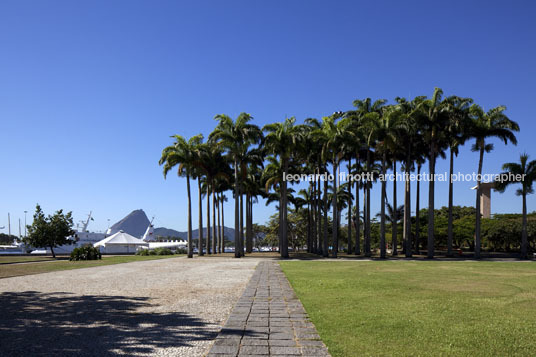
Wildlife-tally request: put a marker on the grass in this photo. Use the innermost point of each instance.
(403, 308)
(9, 259)
(9, 270)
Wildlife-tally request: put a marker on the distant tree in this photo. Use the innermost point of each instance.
(7, 239)
(50, 232)
(526, 170)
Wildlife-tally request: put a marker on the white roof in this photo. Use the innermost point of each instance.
(120, 238)
(178, 244)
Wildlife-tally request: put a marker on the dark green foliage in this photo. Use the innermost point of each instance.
(51, 231)
(85, 253)
(158, 251)
(503, 232)
(7, 239)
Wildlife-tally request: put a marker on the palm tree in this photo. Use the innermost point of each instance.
(486, 125)
(457, 109)
(526, 170)
(407, 139)
(235, 138)
(385, 128)
(336, 136)
(363, 109)
(182, 153)
(282, 140)
(433, 122)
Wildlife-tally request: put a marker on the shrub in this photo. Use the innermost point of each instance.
(156, 251)
(163, 251)
(87, 252)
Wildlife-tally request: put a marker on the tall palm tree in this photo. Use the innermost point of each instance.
(363, 110)
(433, 123)
(458, 132)
(183, 154)
(485, 125)
(236, 137)
(526, 170)
(337, 136)
(281, 140)
(385, 129)
(407, 139)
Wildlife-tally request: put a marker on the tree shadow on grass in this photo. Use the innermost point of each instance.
(34, 323)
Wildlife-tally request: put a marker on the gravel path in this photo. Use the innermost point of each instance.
(169, 307)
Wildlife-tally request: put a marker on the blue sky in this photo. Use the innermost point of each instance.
(91, 91)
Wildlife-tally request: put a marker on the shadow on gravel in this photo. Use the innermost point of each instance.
(33, 323)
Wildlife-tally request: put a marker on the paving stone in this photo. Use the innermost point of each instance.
(268, 319)
(311, 351)
(225, 349)
(285, 351)
(227, 342)
(246, 341)
(282, 343)
(307, 343)
(254, 350)
(281, 336)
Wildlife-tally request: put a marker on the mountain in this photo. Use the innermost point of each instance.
(135, 224)
(166, 232)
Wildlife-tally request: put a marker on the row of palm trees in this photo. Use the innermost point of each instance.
(371, 139)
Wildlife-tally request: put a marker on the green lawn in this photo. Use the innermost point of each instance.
(403, 308)
(9, 259)
(9, 270)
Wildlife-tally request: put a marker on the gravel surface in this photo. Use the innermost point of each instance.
(169, 307)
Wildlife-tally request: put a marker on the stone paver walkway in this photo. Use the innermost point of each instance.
(268, 320)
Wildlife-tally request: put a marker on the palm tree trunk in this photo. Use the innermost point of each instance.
(407, 208)
(325, 250)
(283, 208)
(367, 212)
(430, 245)
(417, 210)
(313, 217)
(200, 238)
(218, 206)
(222, 226)
(309, 238)
(451, 188)
(477, 223)
(190, 247)
(357, 219)
(319, 215)
(241, 226)
(209, 241)
(250, 221)
(237, 211)
(249, 241)
(214, 228)
(382, 209)
(335, 237)
(349, 208)
(524, 225)
(366, 242)
(394, 224)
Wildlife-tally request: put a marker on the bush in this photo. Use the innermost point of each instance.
(85, 253)
(163, 251)
(181, 251)
(157, 251)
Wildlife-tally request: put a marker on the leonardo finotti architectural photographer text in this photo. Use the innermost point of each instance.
(370, 176)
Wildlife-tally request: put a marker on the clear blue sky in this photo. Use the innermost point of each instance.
(91, 91)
